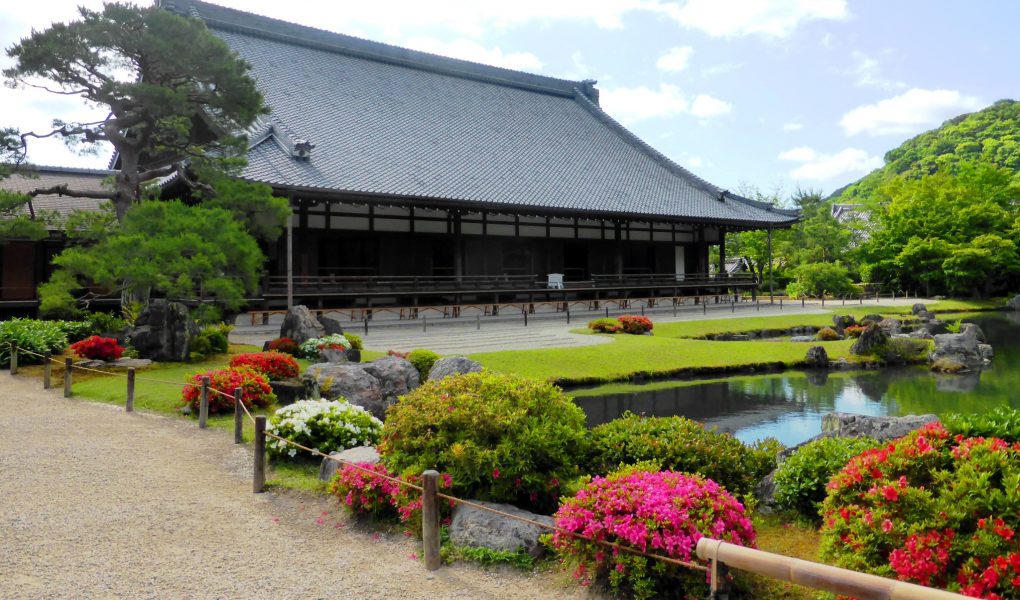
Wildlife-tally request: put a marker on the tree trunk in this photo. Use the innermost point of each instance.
(126, 184)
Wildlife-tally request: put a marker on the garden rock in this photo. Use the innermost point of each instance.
(331, 325)
(926, 315)
(918, 308)
(959, 348)
(135, 363)
(872, 317)
(838, 424)
(479, 528)
(396, 376)
(288, 391)
(374, 386)
(301, 325)
(802, 338)
(453, 365)
(935, 327)
(871, 340)
(890, 325)
(163, 332)
(92, 363)
(1014, 302)
(817, 357)
(332, 355)
(975, 329)
(361, 454)
(841, 322)
(917, 334)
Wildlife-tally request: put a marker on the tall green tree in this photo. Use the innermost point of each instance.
(173, 93)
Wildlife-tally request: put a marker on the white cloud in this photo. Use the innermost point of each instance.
(720, 69)
(793, 126)
(911, 111)
(770, 18)
(705, 106)
(675, 60)
(630, 105)
(580, 70)
(818, 166)
(868, 73)
(694, 161)
(471, 50)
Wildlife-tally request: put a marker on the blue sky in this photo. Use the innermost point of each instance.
(774, 94)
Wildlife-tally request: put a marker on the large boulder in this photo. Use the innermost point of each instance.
(917, 308)
(331, 325)
(926, 315)
(288, 391)
(480, 528)
(163, 332)
(1014, 302)
(837, 424)
(453, 365)
(301, 325)
(935, 327)
(332, 355)
(816, 357)
(955, 350)
(374, 386)
(890, 325)
(841, 322)
(973, 328)
(361, 454)
(870, 341)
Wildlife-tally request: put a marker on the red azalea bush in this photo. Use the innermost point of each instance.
(635, 325)
(256, 391)
(274, 365)
(930, 508)
(285, 345)
(366, 490)
(98, 348)
(402, 355)
(854, 331)
(661, 512)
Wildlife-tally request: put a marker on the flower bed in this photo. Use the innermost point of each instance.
(310, 348)
(635, 325)
(367, 491)
(274, 365)
(285, 345)
(255, 390)
(660, 512)
(325, 425)
(98, 348)
(930, 508)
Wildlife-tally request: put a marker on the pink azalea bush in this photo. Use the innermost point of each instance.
(930, 508)
(366, 489)
(660, 512)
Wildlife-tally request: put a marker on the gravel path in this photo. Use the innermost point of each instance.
(98, 503)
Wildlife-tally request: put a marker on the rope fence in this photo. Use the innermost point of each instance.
(719, 555)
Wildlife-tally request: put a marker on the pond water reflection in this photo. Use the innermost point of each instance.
(789, 406)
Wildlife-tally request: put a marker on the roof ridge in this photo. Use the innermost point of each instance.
(332, 41)
(34, 168)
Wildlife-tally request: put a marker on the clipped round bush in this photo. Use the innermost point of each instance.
(635, 325)
(680, 444)
(355, 340)
(422, 359)
(501, 437)
(98, 348)
(658, 512)
(33, 335)
(800, 479)
(325, 425)
(370, 489)
(255, 390)
(827, 334)
(930, 508)
(605, 325)
(274, 365)
(285, 345)
(310, 348)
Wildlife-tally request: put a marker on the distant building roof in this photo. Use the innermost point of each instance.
(44, 177)
(356, 117)
(845, 212)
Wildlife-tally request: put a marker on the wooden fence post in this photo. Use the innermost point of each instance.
(203, 404)
(47, 373)
(259, 482)
(14, 358)
(238, 423)
(430, 519)
(68, 367)
(719, 586)
(129, 406)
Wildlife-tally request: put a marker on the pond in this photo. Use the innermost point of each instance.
(789, 406)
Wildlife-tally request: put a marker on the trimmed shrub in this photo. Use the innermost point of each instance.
(98, 348)
(310, 348)
(285, 345)
(930, 508)
(101, 323)
(325, 425)
(659, 512)
(827, 334)
(255, 390)
(605, 325)
(500, 437)
(800, 479)
(680, 444)
(77, 331)
(32, 335)
(274, 365)
(211, 340)
(365, 489)
(422, 360)
(1002, 422)
(635, 324)
(355, 340)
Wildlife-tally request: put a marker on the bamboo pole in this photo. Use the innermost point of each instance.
(814, 575)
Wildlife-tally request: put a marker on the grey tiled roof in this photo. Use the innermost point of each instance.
(400, 123)
(44, 177)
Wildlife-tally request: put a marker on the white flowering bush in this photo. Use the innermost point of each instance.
(310, 349)
(326, 425)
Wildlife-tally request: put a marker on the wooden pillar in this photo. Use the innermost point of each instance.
(771, 283)
(290, 255)
(722, 251)
(458, 247)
